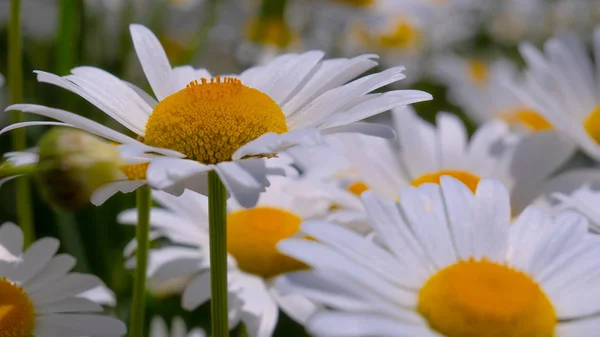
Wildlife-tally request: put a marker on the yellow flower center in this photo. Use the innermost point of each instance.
(478, 72)
(402, 35)
(592, 124)
(356, 3)
(252, 236)
(528, 118)
(271, 31)
(210, 120)
(483, 298)
(135, 171)
(358, 188)
(17, 316)
(466, 178)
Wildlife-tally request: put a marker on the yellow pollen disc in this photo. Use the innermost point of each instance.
(592, 124)
(270, 31)
(209, 120)
(478, 72)
(527, 118)
(483, 298)
(403, 35)
(17, 316)
(466, 178)
(252, 236)
(135, 171)
(358, 188)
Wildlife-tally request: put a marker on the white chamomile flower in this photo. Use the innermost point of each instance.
(39, 297)
(427, 152)
(448, 262)
(562, 85)
(513, 20)
(224, 123)
(158, 328)
(252, 234)
(483, 90)
(395, 30)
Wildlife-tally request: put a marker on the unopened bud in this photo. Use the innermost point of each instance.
(73, 164)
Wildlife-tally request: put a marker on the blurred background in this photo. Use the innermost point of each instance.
(454, 49)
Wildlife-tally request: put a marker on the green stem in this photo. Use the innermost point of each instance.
(217, 218)
(68, 36)
(68, 229)
(138, 309)
(19, 138)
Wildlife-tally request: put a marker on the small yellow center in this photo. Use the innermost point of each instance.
(358, 188)
(466, 178)
(209, 120)
(356, 3)
(252, 236)
(17, 316)
(528, 118)
(483, 298)
(135, 171)
(271, 31)
(478, 72)
(402, 35)
(592, 124)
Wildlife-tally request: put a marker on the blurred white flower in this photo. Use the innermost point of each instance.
(158, 328)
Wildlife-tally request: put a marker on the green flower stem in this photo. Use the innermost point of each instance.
(19, 138)
(68, 35)
(138, 309)
(217, 218)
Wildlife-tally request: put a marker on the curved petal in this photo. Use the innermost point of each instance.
(154, 60)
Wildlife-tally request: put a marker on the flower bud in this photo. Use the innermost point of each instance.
(73, 164)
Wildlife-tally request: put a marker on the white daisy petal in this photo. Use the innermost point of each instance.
(35, 259)
(587, 327)
(105, 192)
(11, 238)
(75, 120)
(352, 325)
(370, 129)
(72, 325)
(271, 142)
(154, 60)
(26, 124)
(196, 292)
(98, 97)
(331, 73)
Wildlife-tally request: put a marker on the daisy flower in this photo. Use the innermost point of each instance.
(184, 265)
(482, 89)
(158, 328)
(224, 123)
(448, 262)
(562, 85)
(39, 297)
(427, 152)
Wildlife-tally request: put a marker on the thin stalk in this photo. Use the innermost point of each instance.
(19, 137)
(138, 309)
(217, 218)
(68, 36)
